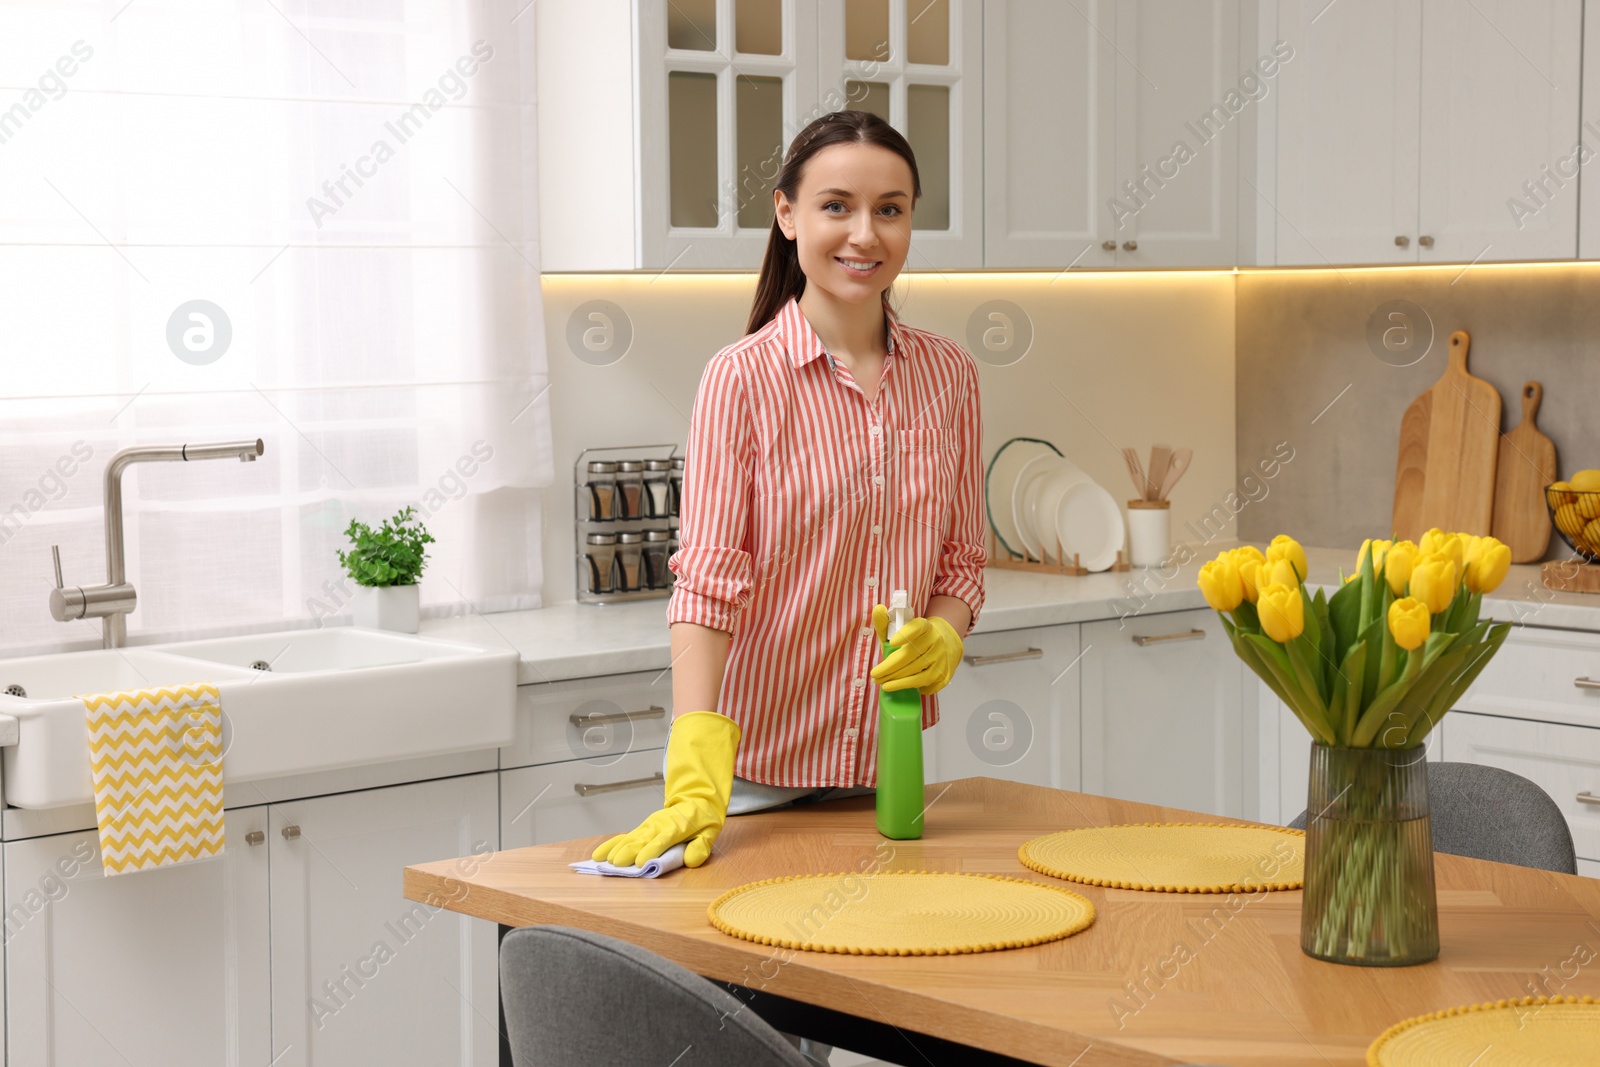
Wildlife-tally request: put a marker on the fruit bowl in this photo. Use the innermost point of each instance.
(1576, 515)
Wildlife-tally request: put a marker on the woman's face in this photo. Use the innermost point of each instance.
(851, 220)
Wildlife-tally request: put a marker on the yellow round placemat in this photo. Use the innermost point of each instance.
(900, 913)
(1173, 857)
(1524, 1032)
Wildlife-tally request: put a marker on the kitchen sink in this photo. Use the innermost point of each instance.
(293, 702)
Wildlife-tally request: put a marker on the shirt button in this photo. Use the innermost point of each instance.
(877, 479)
(851, 731)
(860, 683)
(876, 529)
(866, 631)
(875, 431)
(872, 583)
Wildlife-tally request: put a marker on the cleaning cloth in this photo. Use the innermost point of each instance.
(666, 863)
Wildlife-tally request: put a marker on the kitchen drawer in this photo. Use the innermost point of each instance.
(1589, 868)
(1563, 760)
(539, 805)
(1535, 675)
(620, 713)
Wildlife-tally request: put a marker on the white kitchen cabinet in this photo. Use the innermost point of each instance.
(1589, 113)
(1163, 712)
(359, 973)
(579, 798)
(1011, 711)
(167, 966)
(590, 718)
(1406, 129)
(918, 64)
(1110, 139)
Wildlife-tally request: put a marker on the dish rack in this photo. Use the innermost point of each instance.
(1003, 560)
(632, 507)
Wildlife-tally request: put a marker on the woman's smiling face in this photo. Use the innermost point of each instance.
(851, 220)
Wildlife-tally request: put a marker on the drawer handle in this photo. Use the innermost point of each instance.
(1588, 798)
(1146, 639)
(1586, 683)
(584, 789)
(601, 718)
(1003, 657)
(291, 832)
(254, 837)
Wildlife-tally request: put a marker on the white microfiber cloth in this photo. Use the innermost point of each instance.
(666, 863)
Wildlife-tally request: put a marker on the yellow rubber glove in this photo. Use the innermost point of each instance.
(927, 653)
(700, 749)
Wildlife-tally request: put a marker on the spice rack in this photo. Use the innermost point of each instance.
(625, 521)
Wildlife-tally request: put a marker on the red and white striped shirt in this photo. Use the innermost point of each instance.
(803, 506)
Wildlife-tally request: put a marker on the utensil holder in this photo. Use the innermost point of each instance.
(616, 500)
(1149, 532)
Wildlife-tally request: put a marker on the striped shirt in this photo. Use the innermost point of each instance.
(803, 506)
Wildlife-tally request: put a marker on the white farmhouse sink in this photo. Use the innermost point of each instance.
(328, 699)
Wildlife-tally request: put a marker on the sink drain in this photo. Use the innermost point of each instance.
(261, 665)
(16, 691)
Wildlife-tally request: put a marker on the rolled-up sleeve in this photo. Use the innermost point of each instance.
(959, 571)
(714, 564)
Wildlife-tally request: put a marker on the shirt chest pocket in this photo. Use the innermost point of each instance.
(927, 473)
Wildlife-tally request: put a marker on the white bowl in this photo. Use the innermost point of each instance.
(1089, 522)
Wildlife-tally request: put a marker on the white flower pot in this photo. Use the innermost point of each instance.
(387, 607)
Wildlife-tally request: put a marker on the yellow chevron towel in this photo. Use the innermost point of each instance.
(156, 759)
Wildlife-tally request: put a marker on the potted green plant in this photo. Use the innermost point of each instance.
(386, 564)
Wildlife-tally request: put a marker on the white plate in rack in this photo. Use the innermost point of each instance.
(1000, 485)
(1089, 522)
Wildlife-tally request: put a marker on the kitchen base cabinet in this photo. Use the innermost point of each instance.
(1011, 711)
(1163, 713)
(359, 973)
(579, 798)
(168, 966)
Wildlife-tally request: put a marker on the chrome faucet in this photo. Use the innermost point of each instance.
(111, 602)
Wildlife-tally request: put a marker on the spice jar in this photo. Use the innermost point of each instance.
(602, 557)
(630, 561)
(657, 473)
(630, 489)
(601, 489)
(675, 487)
(656, 553)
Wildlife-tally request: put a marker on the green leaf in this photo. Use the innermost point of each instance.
(1346, 702)
(1310, 714)
(1249, 618)
(391, 555)
(1344, 614)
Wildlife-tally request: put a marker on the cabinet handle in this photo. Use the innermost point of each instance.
(1586, 683)
(1425, 241)
(584, 789)
(1130, 246)
(291, 832)
(1147, 639)
(1109, 246)
(601, 718)
(254, 837)
(1003, 657)
(1402, 241)
(1588, 798)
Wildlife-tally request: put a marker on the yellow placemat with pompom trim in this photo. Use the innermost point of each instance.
(900, 913)
(1524, 1032)
(1173, 857)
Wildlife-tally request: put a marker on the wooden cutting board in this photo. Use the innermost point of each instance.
(1526, 465)
(1449, 447)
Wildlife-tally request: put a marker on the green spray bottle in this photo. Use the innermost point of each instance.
(899, 747)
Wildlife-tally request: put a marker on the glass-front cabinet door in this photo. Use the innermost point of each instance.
(918, 63)
(723, 87)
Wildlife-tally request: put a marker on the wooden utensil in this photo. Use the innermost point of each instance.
(1135, 470)
(1527, 463)
(1156, 473)
(1180, 463)
(1449, 448)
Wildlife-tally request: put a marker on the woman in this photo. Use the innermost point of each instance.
(833, 456)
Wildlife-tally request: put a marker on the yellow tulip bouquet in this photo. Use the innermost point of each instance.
(1377, 664)
(1369, 670)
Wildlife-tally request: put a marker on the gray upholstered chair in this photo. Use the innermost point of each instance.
(578, 999)
(1492, 814)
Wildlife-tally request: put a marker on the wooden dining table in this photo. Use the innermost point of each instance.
(1159, 978)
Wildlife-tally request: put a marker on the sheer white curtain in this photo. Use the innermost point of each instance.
(348, 187)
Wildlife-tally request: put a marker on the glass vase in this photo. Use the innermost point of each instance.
(1369, 895)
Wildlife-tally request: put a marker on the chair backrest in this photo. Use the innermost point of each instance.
(579, 999)
(1489, 813)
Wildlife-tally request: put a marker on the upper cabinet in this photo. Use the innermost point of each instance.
(1427, 131)
(1112, 132)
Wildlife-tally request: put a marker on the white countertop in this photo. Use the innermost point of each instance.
(572, 640)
